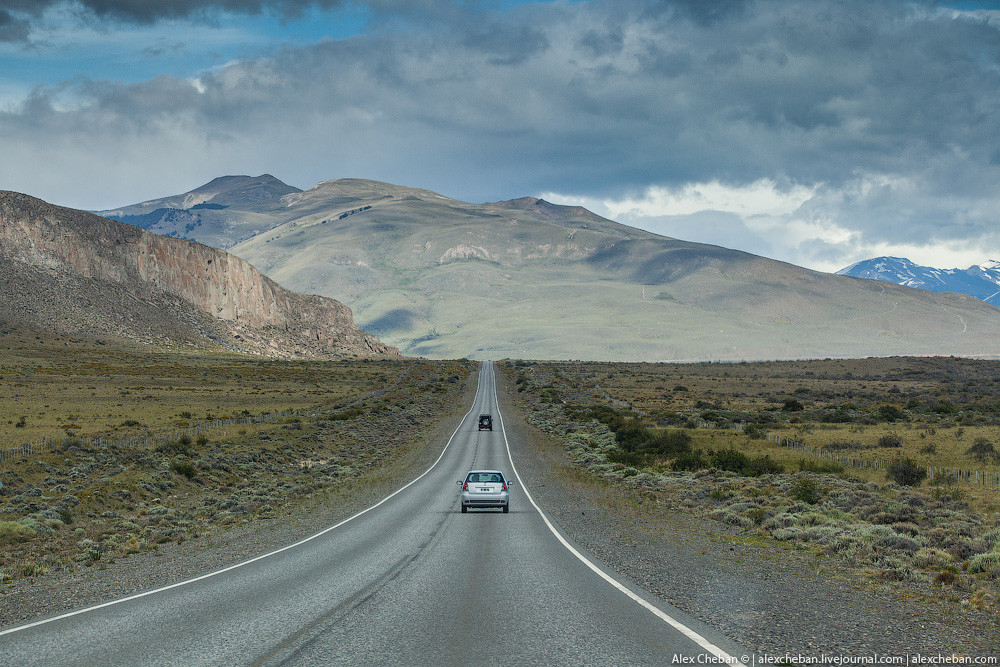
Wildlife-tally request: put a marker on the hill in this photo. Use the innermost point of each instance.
(220, 213)
(981, 281)
(529, 279)
(74, 272)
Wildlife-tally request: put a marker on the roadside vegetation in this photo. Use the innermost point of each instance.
(302, 431)
(708, 438)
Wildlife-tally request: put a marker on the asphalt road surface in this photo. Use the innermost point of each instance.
(408, 581)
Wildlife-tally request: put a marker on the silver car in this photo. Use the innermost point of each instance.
(485, 488)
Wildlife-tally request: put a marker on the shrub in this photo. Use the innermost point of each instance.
(633, 459)
(906, 472)
(792, 405)
(754, 431)
(349, 413)
(185, 468)
(983, 451)
(806, 490)
(890, 413)
(890, 440)
(992, 538)
(12, 532)
(32, 569)
(690, 461)
(734, 461)
(180, 446)
(945, 578)
(988, 562)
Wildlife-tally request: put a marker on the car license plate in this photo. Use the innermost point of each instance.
(484, 490)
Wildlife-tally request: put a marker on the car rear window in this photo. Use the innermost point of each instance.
(485, 477)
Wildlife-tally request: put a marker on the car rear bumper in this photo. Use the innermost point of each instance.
(485, 501)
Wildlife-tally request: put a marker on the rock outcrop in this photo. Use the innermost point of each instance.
(255, 313)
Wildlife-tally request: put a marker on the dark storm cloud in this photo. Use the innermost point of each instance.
(13, 29)
(888, 109)
(148, 11)
(18, 16)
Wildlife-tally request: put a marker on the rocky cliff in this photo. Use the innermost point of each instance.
(255, 313)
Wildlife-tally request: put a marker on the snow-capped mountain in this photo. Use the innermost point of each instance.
(982, 281)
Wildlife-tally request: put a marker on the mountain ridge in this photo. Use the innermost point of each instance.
(219, 296)
(525, 278)
(981, 281)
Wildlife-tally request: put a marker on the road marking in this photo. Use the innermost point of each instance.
(723, 656)
(257, 558)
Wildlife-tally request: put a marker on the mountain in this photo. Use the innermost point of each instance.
(529, 279)
(982, 281)
(220, 213)
(75, 272)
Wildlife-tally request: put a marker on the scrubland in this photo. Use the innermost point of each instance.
(707, 439)
(148, 448)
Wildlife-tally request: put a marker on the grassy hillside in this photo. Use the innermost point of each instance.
(526, 279)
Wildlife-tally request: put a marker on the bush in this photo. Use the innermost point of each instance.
(12, 532)
(632, 436)
(185, 468)
(983, 451)
(632, 459)
(792, 405)
(890, 413)
(180, 446)
(890, 440)
(690, 461)
(906, 472)
(988, 562)
(807, 491)
(349, 413)
(741, 464)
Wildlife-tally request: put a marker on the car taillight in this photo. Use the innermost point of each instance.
(465, 487)
(505, 486)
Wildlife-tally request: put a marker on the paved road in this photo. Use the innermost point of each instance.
(411, 581)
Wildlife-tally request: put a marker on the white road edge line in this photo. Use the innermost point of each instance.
(723, 656)
(257, 558)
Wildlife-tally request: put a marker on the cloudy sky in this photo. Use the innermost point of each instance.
(819, 133)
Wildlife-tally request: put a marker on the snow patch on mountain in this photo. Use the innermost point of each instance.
(981, 281)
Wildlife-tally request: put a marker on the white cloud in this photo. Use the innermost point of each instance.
(821, 227)
(761, 198)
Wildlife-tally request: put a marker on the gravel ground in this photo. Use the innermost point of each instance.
(773, 600)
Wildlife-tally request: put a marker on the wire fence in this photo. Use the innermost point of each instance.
(19, 452)
(987, 478)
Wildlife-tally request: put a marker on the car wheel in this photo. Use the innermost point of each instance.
(464, 509)
(506, 508)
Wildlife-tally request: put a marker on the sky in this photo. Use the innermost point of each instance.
(818, 133)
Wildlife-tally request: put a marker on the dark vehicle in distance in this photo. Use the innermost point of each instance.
(485, 423)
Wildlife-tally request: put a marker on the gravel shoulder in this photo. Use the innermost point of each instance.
(772, 598)
(25, 600)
